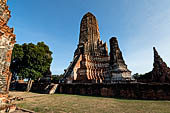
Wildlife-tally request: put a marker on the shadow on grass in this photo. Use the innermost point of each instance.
(118, 98)
(98, 96)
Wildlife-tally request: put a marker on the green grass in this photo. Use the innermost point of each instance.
(61, 103)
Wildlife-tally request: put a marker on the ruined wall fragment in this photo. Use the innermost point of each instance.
(7, 41)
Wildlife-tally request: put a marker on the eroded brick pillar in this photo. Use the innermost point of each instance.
(7, 41)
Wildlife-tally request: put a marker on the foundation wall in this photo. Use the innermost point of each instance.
(119, 90)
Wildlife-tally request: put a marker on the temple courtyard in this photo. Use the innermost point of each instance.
(62, 103)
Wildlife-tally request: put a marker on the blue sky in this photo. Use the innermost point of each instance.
(138, 24)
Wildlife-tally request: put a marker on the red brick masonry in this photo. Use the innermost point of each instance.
(151, 91)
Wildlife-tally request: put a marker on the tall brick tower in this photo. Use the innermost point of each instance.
(91, 62)
(89, 33)
(118, 69)
(91, 53)
(7, 41)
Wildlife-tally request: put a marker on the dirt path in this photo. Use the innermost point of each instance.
(25, 94)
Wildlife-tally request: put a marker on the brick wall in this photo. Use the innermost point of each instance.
(126, 90)
(7, 40)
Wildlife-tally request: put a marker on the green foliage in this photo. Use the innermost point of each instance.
(56, 78)
(137, 75)
(31, 61)
(17, 56)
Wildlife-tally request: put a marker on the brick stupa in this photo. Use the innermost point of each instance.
(91, 63)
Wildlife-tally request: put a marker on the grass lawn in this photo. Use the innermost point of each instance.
(62, 103)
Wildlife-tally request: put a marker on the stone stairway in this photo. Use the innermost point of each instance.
(71, 66)
(53, 89)
(50, 89)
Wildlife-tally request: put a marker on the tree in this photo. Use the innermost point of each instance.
(17, 55)
(57, 78)
(32, 61)
(143, 77)
(137, 75)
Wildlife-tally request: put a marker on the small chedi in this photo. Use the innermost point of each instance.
(118, 68)
(160, 72)
(7, 40)
(91, 62)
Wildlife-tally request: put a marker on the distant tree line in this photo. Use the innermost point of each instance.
(57, 78)
(140, 77)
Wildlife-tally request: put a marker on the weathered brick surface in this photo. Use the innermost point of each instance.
(7, 40)
(126, 90)
(160, 72)
(118, 69)
(91, 58)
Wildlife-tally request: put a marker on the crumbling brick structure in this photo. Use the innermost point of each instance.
(150, 91)
(160, 72)
(7, 41)
(92, 63)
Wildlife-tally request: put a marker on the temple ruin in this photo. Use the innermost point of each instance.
(91, 62)
(160, 72)
(154, 85)
(7, 41)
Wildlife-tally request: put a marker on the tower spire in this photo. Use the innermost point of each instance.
(89, 29)
(89, 33)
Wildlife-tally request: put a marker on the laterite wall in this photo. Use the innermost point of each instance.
(126, 90)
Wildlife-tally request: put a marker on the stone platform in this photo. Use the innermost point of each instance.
(146, 91)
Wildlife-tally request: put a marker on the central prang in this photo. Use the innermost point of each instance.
(91, 62)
